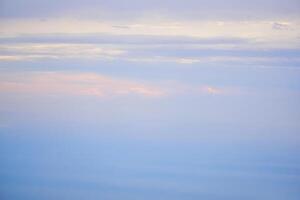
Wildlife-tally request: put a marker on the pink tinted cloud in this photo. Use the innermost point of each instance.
(84, 84)
(92, 84)
(212, 90)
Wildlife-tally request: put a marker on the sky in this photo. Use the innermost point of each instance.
(160, 99)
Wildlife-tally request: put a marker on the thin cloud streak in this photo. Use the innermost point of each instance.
(21, 52)
(83, 84)
(102, 86)
(145, 53)
(260, 30)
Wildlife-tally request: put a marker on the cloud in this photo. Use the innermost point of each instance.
(11, 53)
(190, 42)
(212, 90)
(188, 30)
(281, 26)
(83, 84)
(17, 52)
(101, 86)
(170, 40)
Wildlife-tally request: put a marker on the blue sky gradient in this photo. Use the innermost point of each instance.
(149, 100)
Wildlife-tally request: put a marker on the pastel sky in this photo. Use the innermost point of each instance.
(160, 99)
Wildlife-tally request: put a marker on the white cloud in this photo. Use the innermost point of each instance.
(16, 52)
(260, 30)
(147, 40)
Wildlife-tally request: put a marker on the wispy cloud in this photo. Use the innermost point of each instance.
(86, 84)
(212, 90)
(258, 30)
(148, 53)
(56, 51)
(154, 36)
(97, 85)
(281, 26)
(168, 40)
